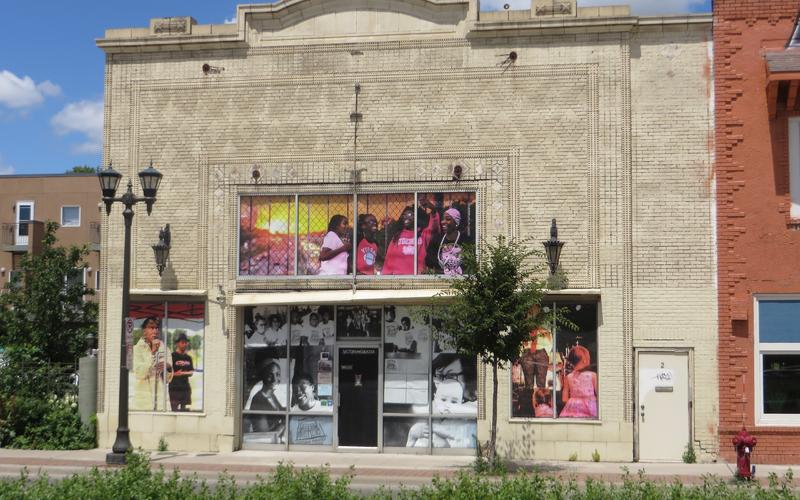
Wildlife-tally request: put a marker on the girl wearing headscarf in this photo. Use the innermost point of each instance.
(443, 255)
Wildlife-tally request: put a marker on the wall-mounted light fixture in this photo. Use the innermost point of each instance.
(161, 249)
(552, 248)
(212, 70)
(458, 172)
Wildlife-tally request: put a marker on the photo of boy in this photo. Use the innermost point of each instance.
(180, 392)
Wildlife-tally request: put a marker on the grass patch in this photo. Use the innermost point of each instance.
(138, 481)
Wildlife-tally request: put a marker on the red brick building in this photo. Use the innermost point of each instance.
(757, 73)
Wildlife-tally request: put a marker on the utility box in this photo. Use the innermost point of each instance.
(87, 388)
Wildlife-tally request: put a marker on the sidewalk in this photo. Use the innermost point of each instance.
(369, 470)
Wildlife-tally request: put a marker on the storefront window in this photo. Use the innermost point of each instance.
(267, 374)
(396, 234)
(312, 359)
(556, 375)
(425, 377)
(429, 392)
(167, 356)
(779, 359)
(406, 353)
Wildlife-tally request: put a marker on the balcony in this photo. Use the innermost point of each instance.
(14, 236)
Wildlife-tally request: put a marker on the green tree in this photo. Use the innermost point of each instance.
(45, 326)
(493, 309)
(81, 169)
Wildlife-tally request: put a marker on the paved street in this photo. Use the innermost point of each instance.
(370, 470)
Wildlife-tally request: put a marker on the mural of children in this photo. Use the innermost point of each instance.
(180, 392)
(335, 247)
(580, 388)
(367, 250)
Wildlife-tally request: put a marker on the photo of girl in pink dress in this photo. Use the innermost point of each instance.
(580, 388)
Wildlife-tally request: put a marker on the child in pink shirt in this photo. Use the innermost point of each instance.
(400, 252)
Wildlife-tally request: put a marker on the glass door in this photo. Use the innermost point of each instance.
(24, 216)
(358, 396)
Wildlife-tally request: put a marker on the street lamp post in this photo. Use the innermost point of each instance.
(149, 179)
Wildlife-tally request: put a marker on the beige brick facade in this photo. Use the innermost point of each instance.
(601, 123)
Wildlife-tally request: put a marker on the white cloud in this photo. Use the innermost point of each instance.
(5, 169)
(82, 117)
(651, 7)
(17, 93)
(231, 20)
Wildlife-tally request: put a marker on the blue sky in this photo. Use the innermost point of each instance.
(51, 73)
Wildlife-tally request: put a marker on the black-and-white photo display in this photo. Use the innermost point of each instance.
(359, 321)
(266, 326)
(312, 344)
(266, 393)
(406, 348)
(455, 378)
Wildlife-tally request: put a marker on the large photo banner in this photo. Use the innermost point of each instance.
(556, 373)
(167, 356)
(383, 234)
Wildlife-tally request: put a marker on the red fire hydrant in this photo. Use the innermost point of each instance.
(743, 443)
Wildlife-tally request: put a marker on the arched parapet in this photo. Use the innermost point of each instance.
(353, 20)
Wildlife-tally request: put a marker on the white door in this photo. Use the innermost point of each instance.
(663, 405)
(24, 216)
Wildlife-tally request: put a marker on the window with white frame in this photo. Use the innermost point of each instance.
(778, 360)
(70, 216)
(794, 166)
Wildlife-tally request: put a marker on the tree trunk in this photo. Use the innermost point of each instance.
(493, 436)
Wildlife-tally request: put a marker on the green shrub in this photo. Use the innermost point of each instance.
(53, 425)
(162, 444)
(688, 455)
(137, 480)
(494, 467)
(595, 456)
(573, 457)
